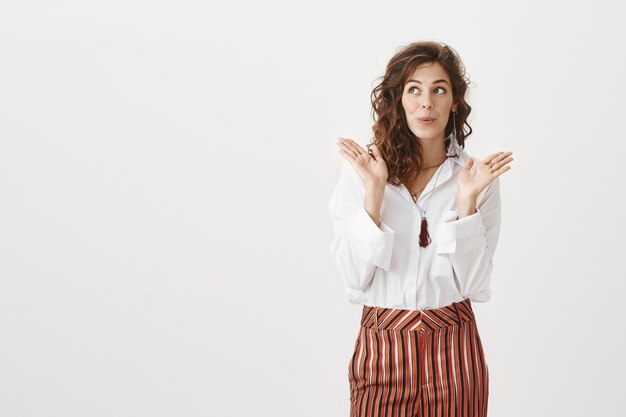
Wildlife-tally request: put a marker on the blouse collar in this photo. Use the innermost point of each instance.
(445, 174)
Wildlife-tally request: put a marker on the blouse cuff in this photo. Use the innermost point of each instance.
(462, 235)
(372, 243)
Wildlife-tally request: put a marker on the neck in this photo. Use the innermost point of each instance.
(433, 152)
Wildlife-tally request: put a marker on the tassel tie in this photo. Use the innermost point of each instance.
(424, 236)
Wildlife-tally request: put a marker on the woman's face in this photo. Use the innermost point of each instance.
(428, 93)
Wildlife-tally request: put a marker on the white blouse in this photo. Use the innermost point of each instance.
(385, 266)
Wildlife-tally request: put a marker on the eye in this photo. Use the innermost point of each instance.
(438, 88)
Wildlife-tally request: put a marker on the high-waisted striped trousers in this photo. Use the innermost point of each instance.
(410, 363)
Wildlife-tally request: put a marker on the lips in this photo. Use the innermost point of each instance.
(425, 119)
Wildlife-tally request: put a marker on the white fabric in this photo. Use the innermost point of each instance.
(385, 266)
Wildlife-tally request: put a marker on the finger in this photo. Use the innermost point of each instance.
(502, 156)
(501, 171)
(502, 162)
(349, 157)
(355, 146)
(490, 158)
(347, 149)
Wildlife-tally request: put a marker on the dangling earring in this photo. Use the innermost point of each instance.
(453, 147)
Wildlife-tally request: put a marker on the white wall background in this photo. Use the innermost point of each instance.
(165, 168)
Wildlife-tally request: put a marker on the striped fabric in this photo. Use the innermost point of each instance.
(426, 363)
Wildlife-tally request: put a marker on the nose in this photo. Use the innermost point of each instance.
(427, 103)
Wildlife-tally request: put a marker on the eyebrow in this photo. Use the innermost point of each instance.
(434, 82)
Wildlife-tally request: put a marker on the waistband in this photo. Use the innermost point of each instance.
(427, 320)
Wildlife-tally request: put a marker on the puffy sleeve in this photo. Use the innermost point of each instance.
(359, 245)
(471, 242)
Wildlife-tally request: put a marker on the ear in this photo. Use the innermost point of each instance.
(455, 105)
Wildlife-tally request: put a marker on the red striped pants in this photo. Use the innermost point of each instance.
(410, 363)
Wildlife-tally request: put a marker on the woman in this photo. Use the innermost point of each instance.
(416, 222)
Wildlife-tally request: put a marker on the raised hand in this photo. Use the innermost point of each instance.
(372, 168)
(475, 177)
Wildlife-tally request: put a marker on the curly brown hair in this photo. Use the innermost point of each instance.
(398, 145)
